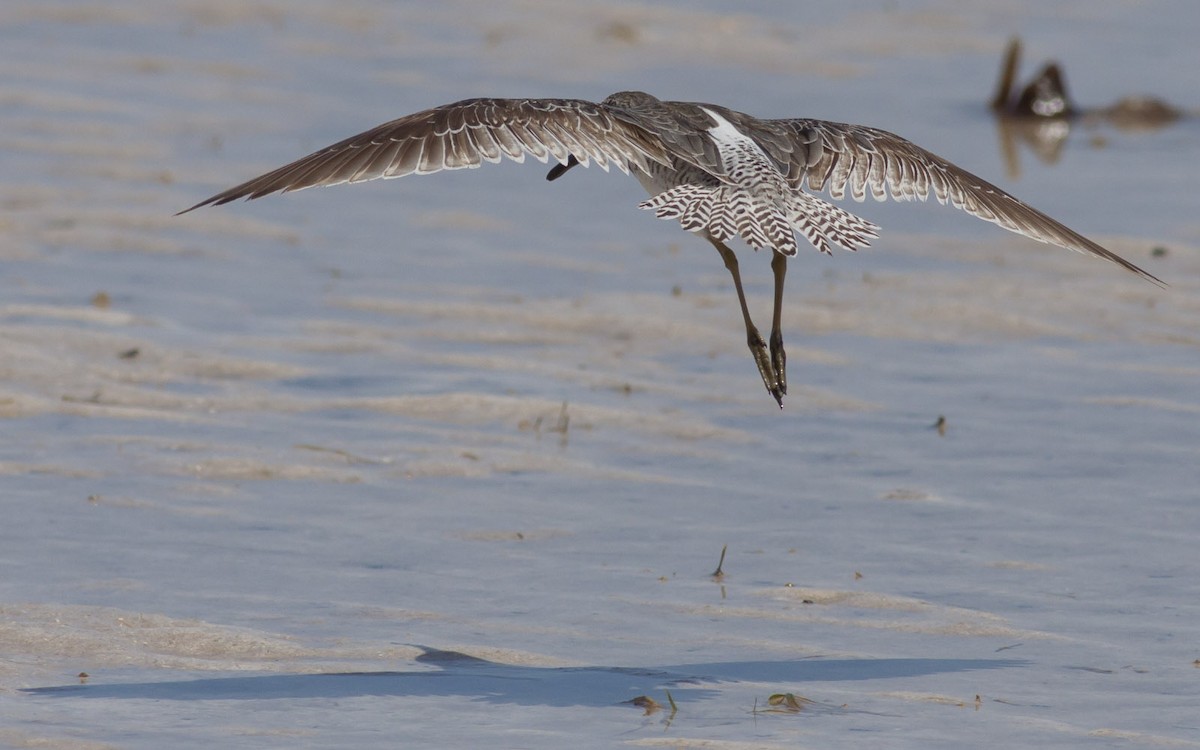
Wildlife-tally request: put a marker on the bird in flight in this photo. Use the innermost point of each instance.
(720, 173)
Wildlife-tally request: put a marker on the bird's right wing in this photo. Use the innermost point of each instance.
(836, 156)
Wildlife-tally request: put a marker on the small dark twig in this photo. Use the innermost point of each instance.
(719, 574)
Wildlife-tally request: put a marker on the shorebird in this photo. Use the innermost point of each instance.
(720, 173)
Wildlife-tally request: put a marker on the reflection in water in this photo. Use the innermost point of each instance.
(1041, 114)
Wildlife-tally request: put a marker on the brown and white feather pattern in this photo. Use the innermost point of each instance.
(751, 199)
(840, 157)
(697, 150)
(464, 135)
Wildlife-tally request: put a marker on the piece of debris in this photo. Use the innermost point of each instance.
(1041, 113)
(788, 703)
(646, 703)
(719, 574)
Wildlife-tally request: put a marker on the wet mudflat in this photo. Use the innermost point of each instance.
(451, 460)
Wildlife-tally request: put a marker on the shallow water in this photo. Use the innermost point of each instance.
(450, 460)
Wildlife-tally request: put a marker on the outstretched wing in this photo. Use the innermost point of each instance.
(837, 156)
(464, 135)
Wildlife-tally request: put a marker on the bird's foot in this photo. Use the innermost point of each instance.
(770, 366)
(779, 362)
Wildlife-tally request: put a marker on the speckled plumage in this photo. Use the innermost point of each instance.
(720, 173)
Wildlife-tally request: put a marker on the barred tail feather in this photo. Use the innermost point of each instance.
(724, 212)
(821, 222)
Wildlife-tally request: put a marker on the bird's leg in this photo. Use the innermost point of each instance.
(778, 356)
(758, 347)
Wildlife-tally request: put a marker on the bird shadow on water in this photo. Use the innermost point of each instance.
(463, 676)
